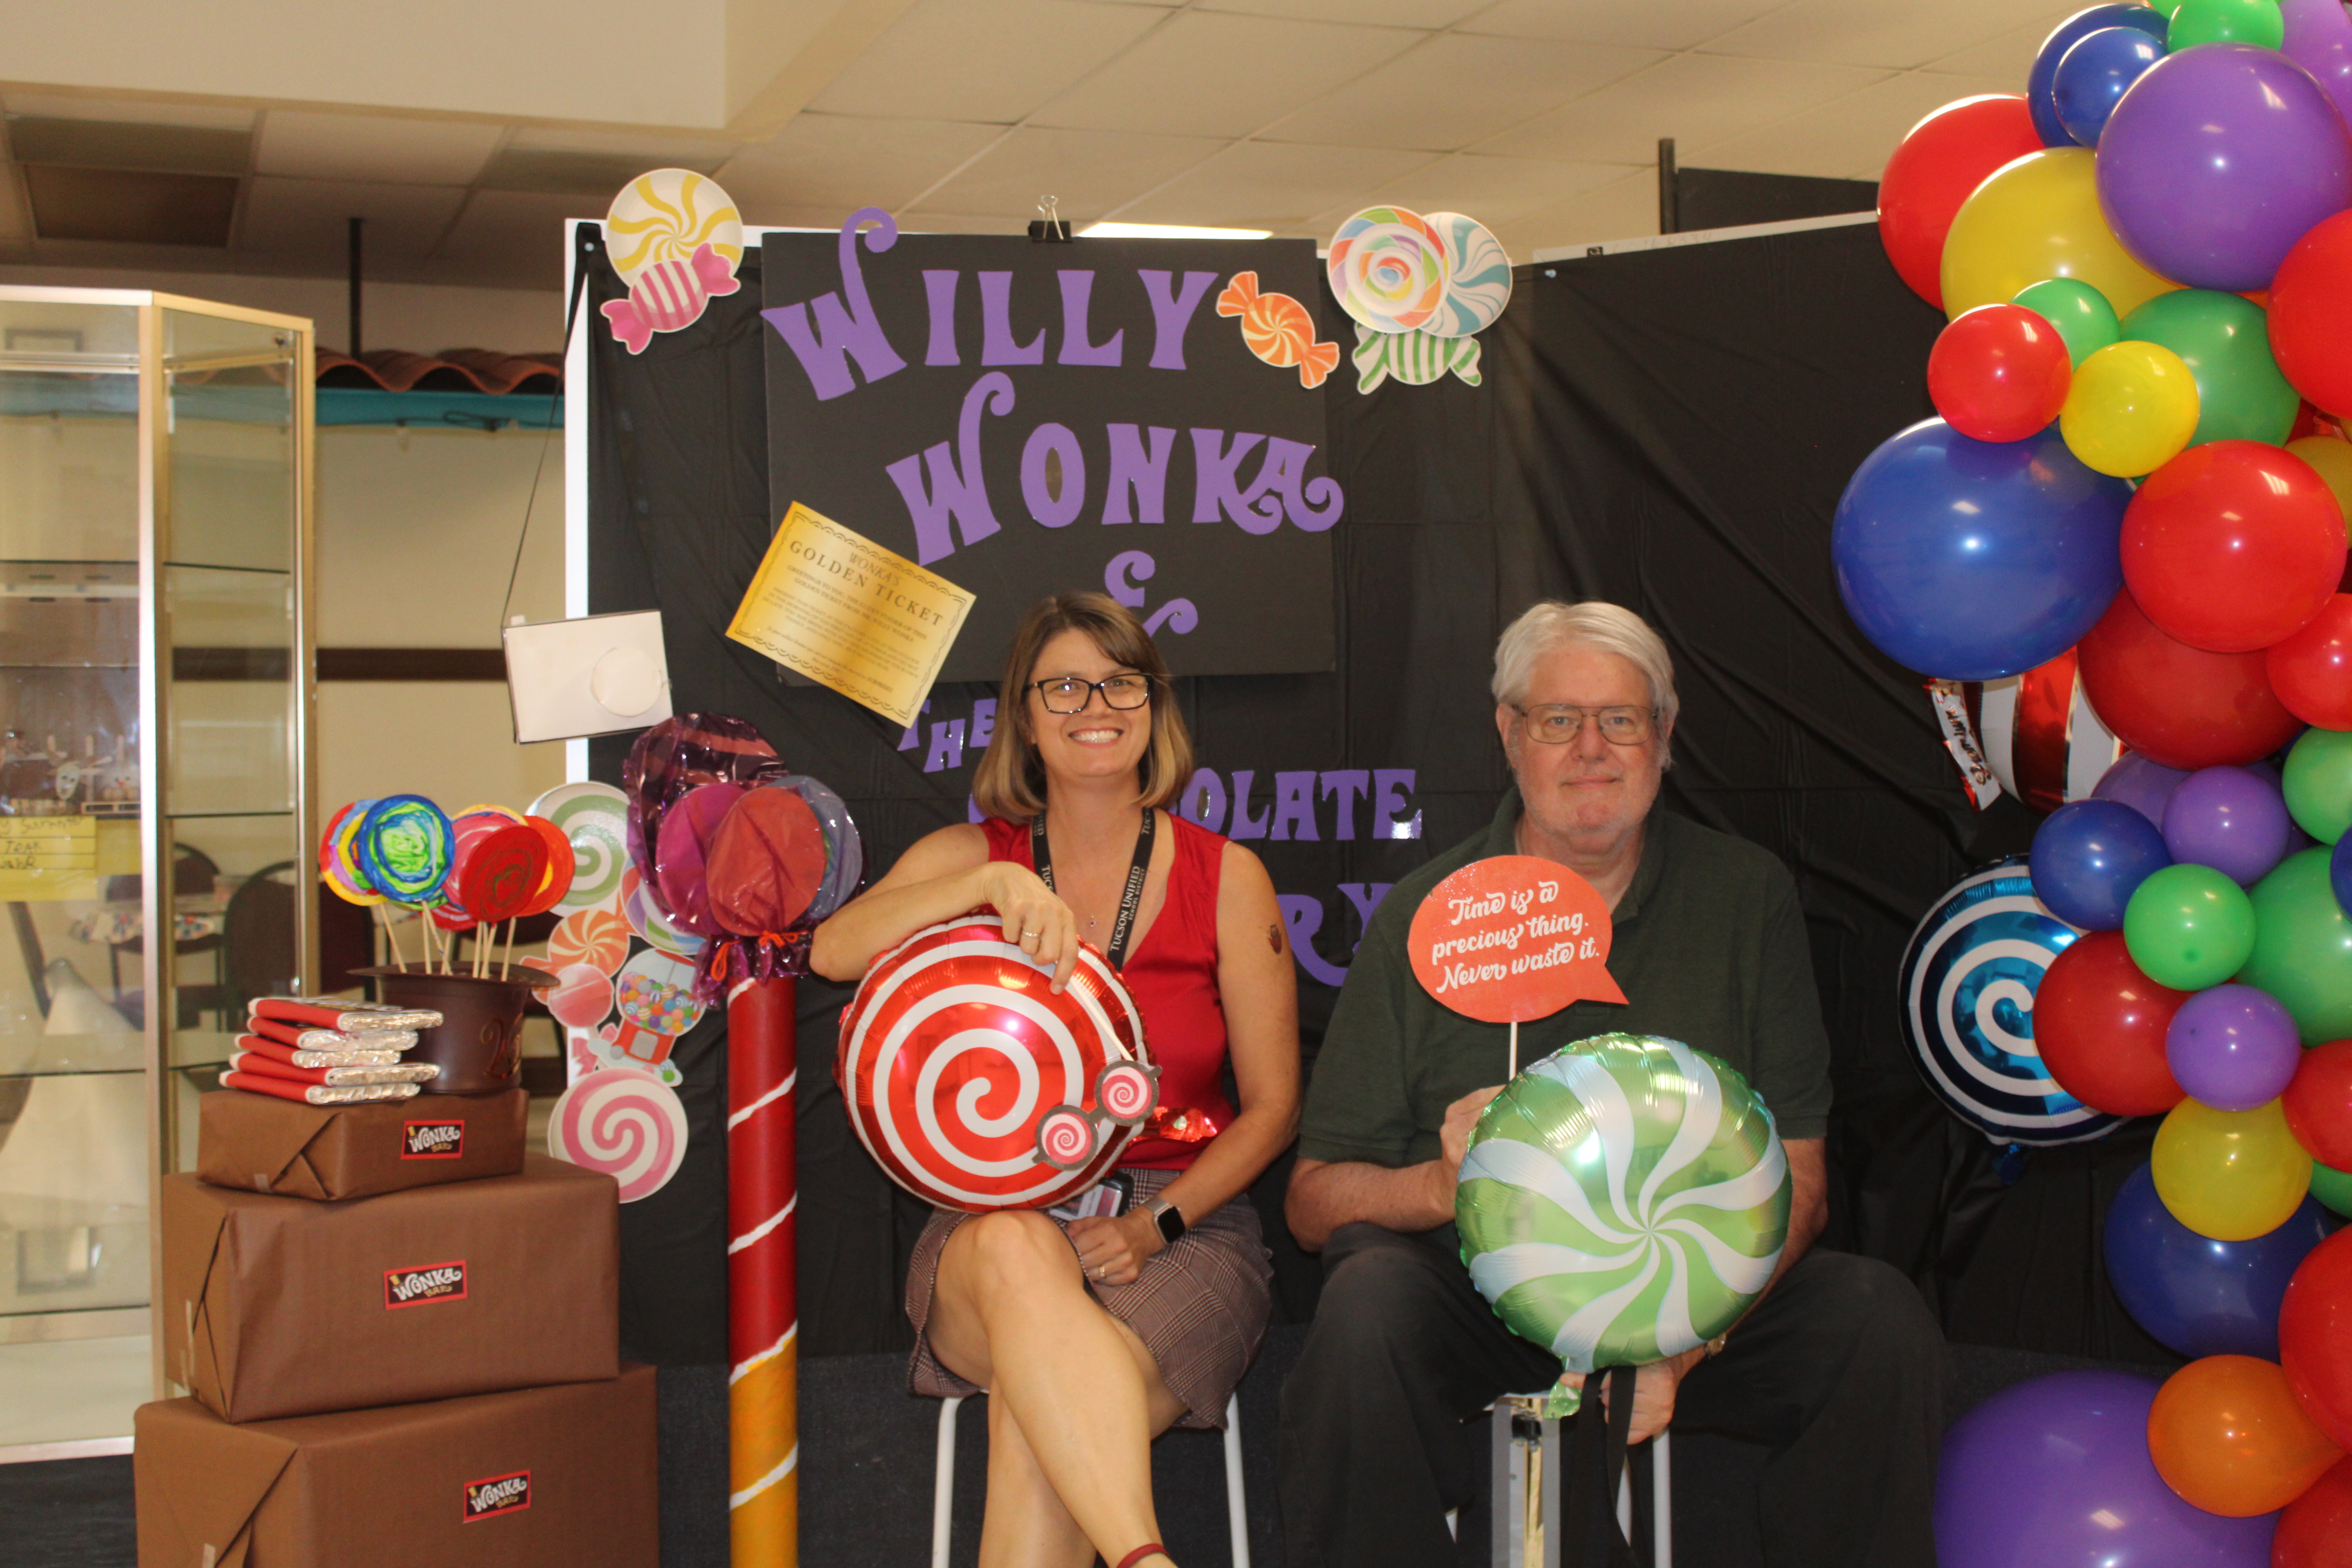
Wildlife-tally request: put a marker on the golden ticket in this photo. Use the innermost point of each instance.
(850, 614)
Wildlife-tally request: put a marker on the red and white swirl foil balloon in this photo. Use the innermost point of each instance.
(976, 1087)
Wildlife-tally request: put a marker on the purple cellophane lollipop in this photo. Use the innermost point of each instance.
(681, 854)
(671, 759)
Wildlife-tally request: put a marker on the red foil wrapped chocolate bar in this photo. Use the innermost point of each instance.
(336, 1012)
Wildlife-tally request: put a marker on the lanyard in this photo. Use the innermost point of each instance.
(1131, 901)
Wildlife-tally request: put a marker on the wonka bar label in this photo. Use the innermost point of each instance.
(431, 1140)
(498, 1495)
(432, 1282)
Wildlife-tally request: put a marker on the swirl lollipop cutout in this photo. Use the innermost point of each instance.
(404, 844)
(626, 1122)
(667, 215)
(1477, 277)
(971, 1083)
(593, 818)
(1388, 269)
(598, 938)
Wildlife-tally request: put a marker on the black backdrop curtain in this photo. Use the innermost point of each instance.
(1669, 429)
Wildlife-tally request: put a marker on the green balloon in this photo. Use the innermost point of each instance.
(2255, 22)
(2332, 1187)
(2225, 342)
(2317, 781)
(2303, 947)
(2190, 926)
(2085, 321)
(1622, 1200)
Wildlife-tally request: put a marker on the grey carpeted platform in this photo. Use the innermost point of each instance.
(866, 1473)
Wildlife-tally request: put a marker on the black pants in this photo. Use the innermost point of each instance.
(1840, 1371)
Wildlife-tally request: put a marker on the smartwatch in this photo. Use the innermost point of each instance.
(1169, 1218)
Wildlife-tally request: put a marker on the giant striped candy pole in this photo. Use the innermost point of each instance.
(762, 1305)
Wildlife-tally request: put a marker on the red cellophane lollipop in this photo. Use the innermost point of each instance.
(765, 866)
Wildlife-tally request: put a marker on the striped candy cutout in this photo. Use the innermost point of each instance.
(1415, 359)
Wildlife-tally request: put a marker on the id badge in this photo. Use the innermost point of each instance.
(1106, 1199)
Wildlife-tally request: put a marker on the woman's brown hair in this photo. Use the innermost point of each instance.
(1010, 782)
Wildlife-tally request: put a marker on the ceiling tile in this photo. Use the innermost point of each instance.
(2008, 55)
(1270, 185)
(511, 238)
(1871, 32)
(1695, 98)
(960, 222)
(1850, 139)
(1631, 24)
(1372, 13)
(982, 59)
(1491, 190)
(311, 217)
(1461, 89)
(130, 110)
(1089, 171)
(374, 147)
(654, 151)
(1627, 209)
(1208, 75)
(841, 162)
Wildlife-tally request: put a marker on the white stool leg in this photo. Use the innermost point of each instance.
(943, 1483)
(1625, 1499)
(1236, 1505)
(1662, 1502)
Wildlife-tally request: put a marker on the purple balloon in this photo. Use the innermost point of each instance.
(2140, 783)
(2217, 159)
(2055, 1473)
(2319, 39)
(2232, 819)
(2232, 1048)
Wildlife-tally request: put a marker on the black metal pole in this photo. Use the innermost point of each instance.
(357, 224)
(1670, 214)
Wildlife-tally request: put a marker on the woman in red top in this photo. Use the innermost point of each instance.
(1096, 1334)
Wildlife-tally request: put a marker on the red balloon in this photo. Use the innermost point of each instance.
(2315, 1336)
(975, 1086)
(1999, 373)
(2099, 1024)
(2316, 1530)
(2312, 670)
(2318, 1104)
(2179, 705)
(1939, 164)
(2234, 545)
(2311, 314)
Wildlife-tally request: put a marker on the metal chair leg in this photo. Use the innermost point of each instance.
(1662, 1501)
(1236, 1505)
(943, 1483)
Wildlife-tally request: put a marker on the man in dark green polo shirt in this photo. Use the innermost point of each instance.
(1838, 1368)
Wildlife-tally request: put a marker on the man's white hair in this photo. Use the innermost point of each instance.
(1550, 625)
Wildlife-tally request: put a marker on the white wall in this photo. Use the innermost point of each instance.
(425, 318)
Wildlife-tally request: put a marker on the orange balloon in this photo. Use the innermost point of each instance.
(2227, 1434)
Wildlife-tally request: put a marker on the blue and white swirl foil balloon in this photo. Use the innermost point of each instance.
(1968, 980)
(1622, 1199)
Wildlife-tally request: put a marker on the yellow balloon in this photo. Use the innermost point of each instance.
(2038, 217)
(2332, 460)
(2231, 1176)
(2131, 409)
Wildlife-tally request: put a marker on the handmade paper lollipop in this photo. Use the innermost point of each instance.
(668, 761)
(1388, 269)
(467, 829)
(561, 865)
(336, 869)
(1622, 1200)
(499, 871)
(405, 845)
(681, 855)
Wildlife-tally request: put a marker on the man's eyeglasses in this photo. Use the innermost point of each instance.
(1068, 694)
(1558, 724)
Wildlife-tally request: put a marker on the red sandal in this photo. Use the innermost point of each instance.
(1149, 1549)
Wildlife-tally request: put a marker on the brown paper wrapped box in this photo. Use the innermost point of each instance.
(269, 1145)
(285, 1307)
(546, 1477)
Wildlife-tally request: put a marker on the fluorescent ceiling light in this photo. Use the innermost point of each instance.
(1167, 231)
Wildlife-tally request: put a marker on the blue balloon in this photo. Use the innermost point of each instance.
(1975, 560)
(2040, 101)
(2094, 75)
(2088, 856)
(2339, 872)
(2193, 1294)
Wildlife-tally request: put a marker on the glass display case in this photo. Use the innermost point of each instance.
(155, 795)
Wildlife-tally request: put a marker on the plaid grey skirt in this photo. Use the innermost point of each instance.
(1200, 1307)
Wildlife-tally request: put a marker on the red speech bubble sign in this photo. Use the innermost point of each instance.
(1512, 939)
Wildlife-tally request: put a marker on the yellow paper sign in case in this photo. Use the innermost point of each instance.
(44, 857)
(850, 614)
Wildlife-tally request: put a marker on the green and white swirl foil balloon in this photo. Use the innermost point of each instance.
(1622, 1200)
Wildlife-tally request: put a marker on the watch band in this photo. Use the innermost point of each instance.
(1169, 1218)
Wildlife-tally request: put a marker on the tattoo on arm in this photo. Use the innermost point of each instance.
(1274, 937)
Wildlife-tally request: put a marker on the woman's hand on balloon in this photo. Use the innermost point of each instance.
(1036, 920)
(1112, 1251)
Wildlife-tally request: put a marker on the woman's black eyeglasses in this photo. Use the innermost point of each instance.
(1068, 694)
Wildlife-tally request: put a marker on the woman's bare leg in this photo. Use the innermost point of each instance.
(1075, 1398)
